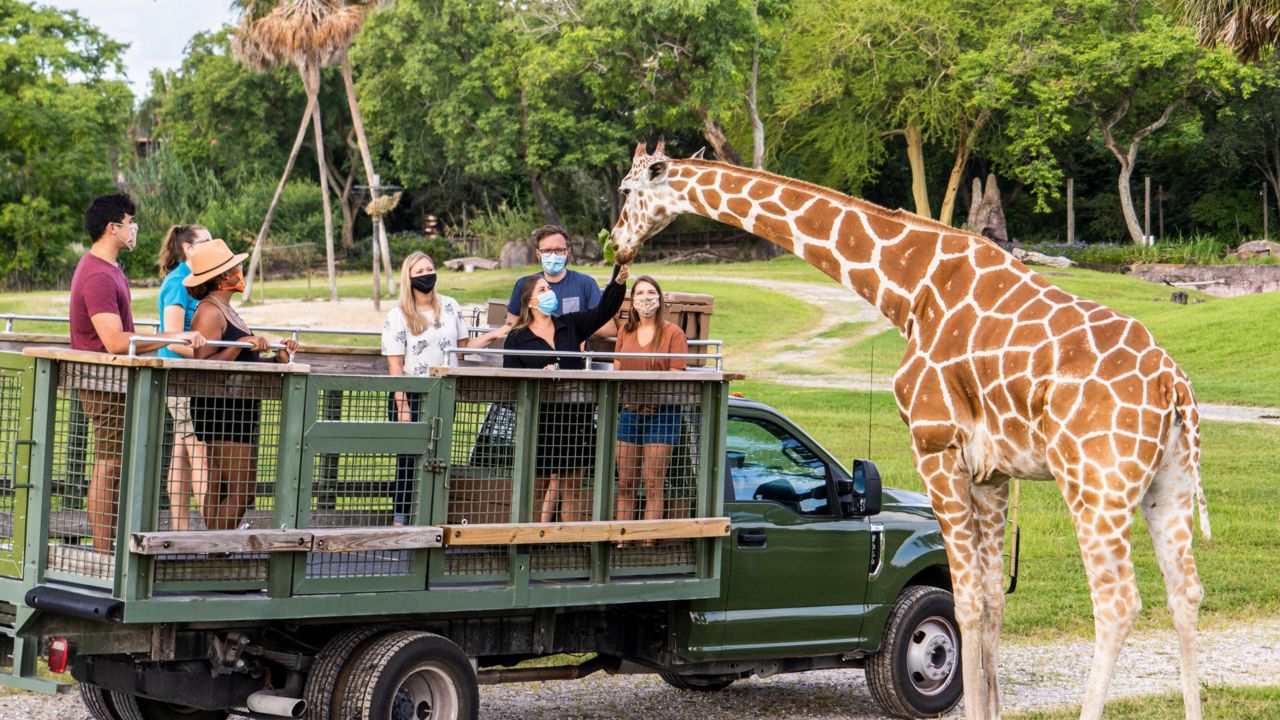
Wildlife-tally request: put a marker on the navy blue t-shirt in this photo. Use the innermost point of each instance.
(576, 291)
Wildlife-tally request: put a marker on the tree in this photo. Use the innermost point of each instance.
(1247, 129)
(310, 35)
(1245, 27)
(859, 73)
(63, 113)
(1127, 70)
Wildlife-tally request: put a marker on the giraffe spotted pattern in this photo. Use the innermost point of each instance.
(1004, 376)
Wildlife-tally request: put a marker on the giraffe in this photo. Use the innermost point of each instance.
(1005, 376)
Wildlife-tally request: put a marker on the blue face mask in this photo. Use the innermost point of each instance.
(553, 264)
(548, 302)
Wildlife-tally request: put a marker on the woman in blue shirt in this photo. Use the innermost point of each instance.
(188, 466)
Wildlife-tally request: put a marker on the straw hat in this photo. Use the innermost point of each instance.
(209, 260)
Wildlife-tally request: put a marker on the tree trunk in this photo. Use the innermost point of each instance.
(753, 109)
(316, 127)
(714, 134)
(371, 177)
(957, 170)
(1126, 204)
(544, 202)
(346, 203)
(919, 184)
(256, 254)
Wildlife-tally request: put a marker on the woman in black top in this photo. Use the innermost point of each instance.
(566, 430)
(225, 422)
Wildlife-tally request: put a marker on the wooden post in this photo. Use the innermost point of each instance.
(1160, 209)
(1071, 211)
(1146, 210)
(1264, 210)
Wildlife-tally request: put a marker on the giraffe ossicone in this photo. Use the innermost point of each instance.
(1005, 376)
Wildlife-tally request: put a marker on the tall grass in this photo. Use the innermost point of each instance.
(1197, 249)
(1220, 703)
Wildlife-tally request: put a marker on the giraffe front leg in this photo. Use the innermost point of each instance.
(950, 491)
(990, 507)
(1103, 520)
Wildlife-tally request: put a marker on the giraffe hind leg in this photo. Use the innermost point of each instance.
(990, 506)
(1169, 506)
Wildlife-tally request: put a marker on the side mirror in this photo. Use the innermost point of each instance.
(864, 492)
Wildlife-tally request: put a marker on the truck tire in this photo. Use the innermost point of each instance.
(98, 702)
(132, 707)
(411, 675)
(697, 683)
(331, 669)
(917, 673)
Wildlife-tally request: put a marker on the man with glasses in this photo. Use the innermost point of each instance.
(102, 321)
(574, 291)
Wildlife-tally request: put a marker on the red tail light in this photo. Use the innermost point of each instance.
(59, 650)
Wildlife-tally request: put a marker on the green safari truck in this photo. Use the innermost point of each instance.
(285, 580)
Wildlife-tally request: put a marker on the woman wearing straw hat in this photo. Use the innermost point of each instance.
(226, 423)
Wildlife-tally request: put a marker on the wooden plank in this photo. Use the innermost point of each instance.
(97, 358)
(668, 375)
(219, 541)
(409, 537)
(603, 531)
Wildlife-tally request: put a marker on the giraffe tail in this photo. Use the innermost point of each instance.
(1189, 418)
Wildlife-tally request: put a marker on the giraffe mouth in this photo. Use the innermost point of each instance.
(624, 255)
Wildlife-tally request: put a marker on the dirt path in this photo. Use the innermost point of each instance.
(1032, 676)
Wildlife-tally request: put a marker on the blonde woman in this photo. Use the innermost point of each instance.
(415, 337)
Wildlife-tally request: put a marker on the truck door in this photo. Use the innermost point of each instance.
(797, 569)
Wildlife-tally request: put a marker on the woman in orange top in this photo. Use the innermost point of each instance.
(646, 431)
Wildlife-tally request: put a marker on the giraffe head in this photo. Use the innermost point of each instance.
(649, 203)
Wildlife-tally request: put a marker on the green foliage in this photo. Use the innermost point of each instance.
(63, 112)
(168, 192)
(299, 218)
(497, 226)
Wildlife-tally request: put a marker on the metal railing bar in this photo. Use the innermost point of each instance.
(589, 355)
(135, 339)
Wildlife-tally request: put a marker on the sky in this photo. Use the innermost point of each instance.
(156, 30)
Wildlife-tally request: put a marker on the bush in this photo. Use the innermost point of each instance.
(299, 217)
(401, 244)
(501, 225)
(1195, 250)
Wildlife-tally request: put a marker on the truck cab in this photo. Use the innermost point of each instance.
(823, 568)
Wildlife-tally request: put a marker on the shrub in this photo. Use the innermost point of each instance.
(501, 225)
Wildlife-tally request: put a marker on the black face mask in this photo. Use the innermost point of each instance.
(424, 283)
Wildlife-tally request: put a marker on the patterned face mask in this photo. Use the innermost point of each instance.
(646, 305)
(234, 283)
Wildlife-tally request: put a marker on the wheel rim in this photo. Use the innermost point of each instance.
(427, 692)
(932, 654)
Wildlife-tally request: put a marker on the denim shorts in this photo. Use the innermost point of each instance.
(660, 427)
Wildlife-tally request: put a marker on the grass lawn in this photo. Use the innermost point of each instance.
(1052, 599)
(1220, 703)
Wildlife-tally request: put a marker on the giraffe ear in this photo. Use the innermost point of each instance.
(698, 155)
(640, 150)
(657, 170)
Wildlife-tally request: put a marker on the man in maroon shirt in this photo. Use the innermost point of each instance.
(102, 321)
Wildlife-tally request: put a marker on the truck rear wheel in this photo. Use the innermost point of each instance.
(411, 676)
(98, 702)
(331, 669)
(916, 673)
(698, 683)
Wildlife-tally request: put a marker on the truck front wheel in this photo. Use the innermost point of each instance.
(916, 673)
(698, 683)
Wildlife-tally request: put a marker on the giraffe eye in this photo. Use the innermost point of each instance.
(626, 192)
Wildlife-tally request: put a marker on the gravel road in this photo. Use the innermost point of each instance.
(1032, 676)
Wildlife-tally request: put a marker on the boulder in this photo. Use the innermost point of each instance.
(515, 254)
(1253, 248)
(1031, 257)
(468, 264)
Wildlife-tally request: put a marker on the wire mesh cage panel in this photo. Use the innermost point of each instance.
(370, 490)
(659, 437)
(481, 469)
(218, 469)
(565, 455)
(11, 417)
(88, 458)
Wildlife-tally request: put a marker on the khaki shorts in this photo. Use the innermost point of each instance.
(105, 411)
(180, 411)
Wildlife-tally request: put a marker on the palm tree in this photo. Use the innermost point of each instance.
(310, 35)
(1246, 27)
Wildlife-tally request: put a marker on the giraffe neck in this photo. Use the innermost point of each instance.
(880, 254)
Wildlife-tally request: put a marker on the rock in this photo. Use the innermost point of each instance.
(1031, 257)
(986, 216)
(467, 264)
(1254, 248)
(587, 249)
(515, 254)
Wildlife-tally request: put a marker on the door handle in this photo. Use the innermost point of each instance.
(752, 538)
